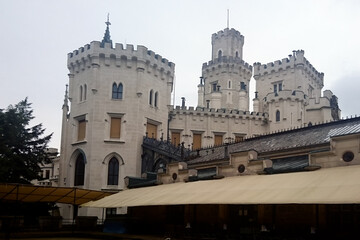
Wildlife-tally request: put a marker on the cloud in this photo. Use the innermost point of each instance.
(347, 89)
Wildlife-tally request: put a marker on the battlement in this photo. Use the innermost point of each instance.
(286, 94)
(225, 113)
(227, 32)
(293, 61)
(322, 102)
(227, 60)
(90, 54)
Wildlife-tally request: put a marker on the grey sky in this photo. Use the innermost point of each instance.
(37, 35)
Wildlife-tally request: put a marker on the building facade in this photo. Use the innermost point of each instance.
(288, 95)
(118, 95)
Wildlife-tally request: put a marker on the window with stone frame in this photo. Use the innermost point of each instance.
(151, 97)
(156, 99)
(175, 138)
(117, 91)
(81, 130)
(277, 116)
(113, 172)
(79, 170)
(81, 93)
(196, 141)
(115, 127)
(218, 139)
(151, 130)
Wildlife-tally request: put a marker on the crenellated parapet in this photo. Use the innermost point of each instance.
(225, 61)
(286, 95)
(227, 32)
(140, 58)
(297, 60)
(322, 102)
(219, 113)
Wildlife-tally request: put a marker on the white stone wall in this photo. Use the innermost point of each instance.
(139, 71)
(210, 122)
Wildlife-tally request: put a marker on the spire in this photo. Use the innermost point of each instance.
(106, 38)
(66, 97)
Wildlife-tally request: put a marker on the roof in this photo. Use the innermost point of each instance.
(340, 185)
(31, 193)
(285, 140)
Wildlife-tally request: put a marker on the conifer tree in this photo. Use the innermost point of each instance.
(22, 148)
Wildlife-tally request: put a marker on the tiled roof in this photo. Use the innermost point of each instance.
(301, 137)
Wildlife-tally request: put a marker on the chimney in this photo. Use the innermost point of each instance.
(183, 102)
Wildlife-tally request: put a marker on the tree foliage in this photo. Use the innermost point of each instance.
(22, 148)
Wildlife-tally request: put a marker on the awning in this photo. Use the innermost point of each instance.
(340, 185)
(31, 193)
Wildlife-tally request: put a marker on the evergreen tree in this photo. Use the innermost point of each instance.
(22, 148)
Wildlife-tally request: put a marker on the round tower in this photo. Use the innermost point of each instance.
(118, 95)
(226, 76)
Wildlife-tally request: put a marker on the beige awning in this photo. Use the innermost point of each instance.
(326, 186)
(31, 193)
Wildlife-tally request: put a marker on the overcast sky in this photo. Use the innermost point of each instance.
(37, 35)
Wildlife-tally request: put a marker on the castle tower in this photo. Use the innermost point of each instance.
(227, 43)
(226, 76)
(117, 95)
(290, 91)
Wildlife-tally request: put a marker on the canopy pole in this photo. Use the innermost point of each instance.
(74, 210)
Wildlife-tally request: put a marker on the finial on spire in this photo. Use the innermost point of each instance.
(108, 22)
(106, 38)
(228, 18)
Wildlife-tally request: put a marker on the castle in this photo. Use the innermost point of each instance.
(119, 94)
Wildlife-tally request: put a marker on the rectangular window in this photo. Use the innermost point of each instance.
(110, 212)
(242, 86)
(115, 127)
(280, 87)
(47, 174)
(196, 141)
(239, 138)
(275, 88)
(218, 140)
(151, 130)
(214, 87)
(81, 130)
(175, 138)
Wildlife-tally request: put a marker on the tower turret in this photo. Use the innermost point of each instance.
(228, 42)
(227, 76)
(201, 92)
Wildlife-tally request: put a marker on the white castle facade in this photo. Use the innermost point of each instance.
(120, 94)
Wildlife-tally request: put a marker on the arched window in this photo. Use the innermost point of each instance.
(79, 170)
(236, 54)
(229, 84)
(117, 91)
(156, 99)
(220, 54)
(81, 93)
(277, 115)
(120, 91)
(113, 172)
(85, 91)
(151, 97)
